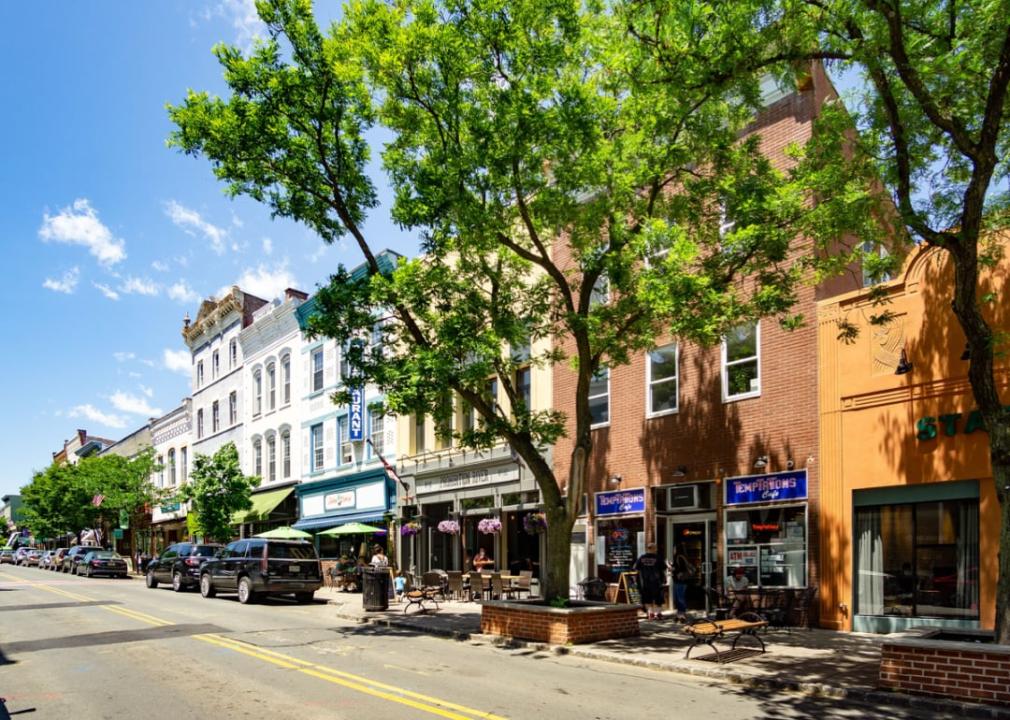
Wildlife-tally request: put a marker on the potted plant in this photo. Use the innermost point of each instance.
(449, 527)
(410, 528)
(535, 522)
(489, 526)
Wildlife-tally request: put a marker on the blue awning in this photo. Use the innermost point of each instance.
(327, 521)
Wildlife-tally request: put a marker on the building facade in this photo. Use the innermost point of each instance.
(79, 446)
(910, 520)
(131, 531)
(172, 440)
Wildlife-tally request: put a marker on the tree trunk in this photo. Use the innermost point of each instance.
(559, 543)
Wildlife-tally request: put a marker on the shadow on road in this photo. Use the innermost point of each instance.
(55, 606)
(113, 637)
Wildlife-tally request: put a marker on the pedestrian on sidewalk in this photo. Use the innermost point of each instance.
(683, 574)
(651, 571)
(379, 559)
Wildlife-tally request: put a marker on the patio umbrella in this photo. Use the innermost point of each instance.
(284, 533)
(354, 528)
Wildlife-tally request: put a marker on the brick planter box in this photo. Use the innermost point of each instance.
(922, 664)
(583, 622)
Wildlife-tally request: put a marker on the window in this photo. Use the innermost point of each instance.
(257, 393)
(661, 376)
(419, 433)
(215, 365)
(345, 361)
(183, 465)
(232, 354)
(770, 544)
(317, 369)
(257, 457)
(215, 417)
(161, 473)
(286, 454)
(171, 467)
(726, 220)
(233, 407)
(271, 458)
(491, 393)
(469, 415)
(881, 252)
(599, 397)
(601, 291)
(317, 447)
(741, 367)
(199, 423)
(271, 386)
(346, 450)
(286, 379)
(378, 432)
(199, 374)
(523, 386)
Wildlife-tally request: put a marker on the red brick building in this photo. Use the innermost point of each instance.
(714, 449)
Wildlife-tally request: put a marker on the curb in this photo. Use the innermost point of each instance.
(867, 697)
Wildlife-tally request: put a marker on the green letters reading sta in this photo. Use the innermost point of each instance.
(928, 427)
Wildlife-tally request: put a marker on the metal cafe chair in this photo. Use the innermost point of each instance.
(480, 584)
(455, 584)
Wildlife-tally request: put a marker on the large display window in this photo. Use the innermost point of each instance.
(619, 542)
(770, 544)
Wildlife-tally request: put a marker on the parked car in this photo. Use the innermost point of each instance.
(33, 557)
(73, 556)
(24, 555)
(257, 567)
(102, 562)
(56, 563)
(7, 556)
(47, 557)
(180, 565)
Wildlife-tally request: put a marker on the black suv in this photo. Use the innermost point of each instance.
(180, 565)
(263, 567)
(73, 557)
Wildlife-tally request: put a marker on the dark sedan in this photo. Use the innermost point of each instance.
(102, 562)
(180, 565)
(73, 556)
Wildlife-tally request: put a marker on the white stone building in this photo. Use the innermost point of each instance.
(172, 439)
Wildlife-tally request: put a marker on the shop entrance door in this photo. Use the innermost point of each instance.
(696, 536)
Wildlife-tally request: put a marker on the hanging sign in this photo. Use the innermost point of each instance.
(620, 502)
(770, 487)
(356, 415)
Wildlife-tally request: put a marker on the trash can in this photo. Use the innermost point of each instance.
(375, 588)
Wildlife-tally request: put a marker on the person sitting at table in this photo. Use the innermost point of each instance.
(736, 587)
(481, 560)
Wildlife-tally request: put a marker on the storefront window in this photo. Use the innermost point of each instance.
(918, 559)
(618, 543)
(770, 544)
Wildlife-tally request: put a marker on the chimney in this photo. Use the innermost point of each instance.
(292, 294)
(185, 322)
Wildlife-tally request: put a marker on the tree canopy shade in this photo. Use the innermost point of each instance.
(217, 489)
(558, 197)
(932, 122)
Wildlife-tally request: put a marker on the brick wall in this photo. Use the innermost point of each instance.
(559, 627)
(965, 673)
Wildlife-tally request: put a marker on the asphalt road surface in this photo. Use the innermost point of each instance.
(79, 649)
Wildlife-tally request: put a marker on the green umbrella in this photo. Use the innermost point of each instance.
(284, 533)
(354, 528)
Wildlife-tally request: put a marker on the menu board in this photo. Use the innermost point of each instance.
(620, 551)
(745, 557)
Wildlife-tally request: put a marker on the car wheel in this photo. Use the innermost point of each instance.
(206, 586)
(245, 591)
(177, 581)
(152, 582)
(303, 598)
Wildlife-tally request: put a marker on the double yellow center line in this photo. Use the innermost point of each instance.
(367, 686)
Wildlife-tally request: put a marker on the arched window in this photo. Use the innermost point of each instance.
(271, 458)
(232, 354)
(258, 392)
(171, 467)
(257, 457)
(286, 379)
(161, 473)
(215, 365)
(286, 454)
(271, 386)
(199, 423)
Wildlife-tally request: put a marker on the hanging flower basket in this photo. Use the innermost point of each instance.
(489, 526)
(411, 528)
(535, 523)
(449, 527)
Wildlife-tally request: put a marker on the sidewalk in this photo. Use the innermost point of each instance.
(819, 662)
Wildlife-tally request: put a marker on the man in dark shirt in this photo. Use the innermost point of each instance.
(651, 574)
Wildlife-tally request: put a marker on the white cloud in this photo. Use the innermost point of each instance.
(236, 220)
(79, 225)
(66, 284)
(191, 223)
(95, 415)
(182, 292)
(178, 361)
(264, 282)
(124, 356)
(139, 286)
(134, 375)
(146, 390)
(160, 266)
(244, 19)
(107, 291)
(268, 246)
(319, 253)
(125, 402)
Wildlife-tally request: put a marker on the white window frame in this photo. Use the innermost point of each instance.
(199, 374)
(171, 467)
(286, 454)
(372, 451)
(215, 416)
(271, 386)
(345, 448)
(321, 372)
(199, 423)
(606, 422)
(317, 453)
(232, 407)
(271, 458)
(183, 465)
(724, 367)
(286, 380)
(215, 365)
(232, 353)
(258, 457)
(649, 382)
(257, 392)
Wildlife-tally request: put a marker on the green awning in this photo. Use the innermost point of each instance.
(262, 505)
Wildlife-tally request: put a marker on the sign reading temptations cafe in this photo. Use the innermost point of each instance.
(770, 487)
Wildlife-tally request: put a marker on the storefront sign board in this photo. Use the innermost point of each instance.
(338, 500)
(770, 487)
(356, 415)
(620, 502)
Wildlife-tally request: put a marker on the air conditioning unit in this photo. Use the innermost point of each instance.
(682, 497)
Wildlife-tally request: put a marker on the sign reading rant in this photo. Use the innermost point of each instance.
(771, 487)
(927, 427)
(356, 415)
(620, 502)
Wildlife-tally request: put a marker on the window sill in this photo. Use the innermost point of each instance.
(662, 413)
(600, 426)
(745, 396)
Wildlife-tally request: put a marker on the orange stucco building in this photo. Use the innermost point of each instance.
(909, 522)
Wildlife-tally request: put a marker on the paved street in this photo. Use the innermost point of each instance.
(89, 649)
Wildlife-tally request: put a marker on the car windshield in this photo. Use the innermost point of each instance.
(104, 554)
(205, 550)
(302, 551)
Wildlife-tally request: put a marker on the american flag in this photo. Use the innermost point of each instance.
(97, 500)
(389, 468)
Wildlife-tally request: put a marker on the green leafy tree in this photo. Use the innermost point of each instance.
(58, 501)
(555, 198)
(217, 489)
(124, 482)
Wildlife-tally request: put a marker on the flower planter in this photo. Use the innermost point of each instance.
(968, 666)
(534, 620)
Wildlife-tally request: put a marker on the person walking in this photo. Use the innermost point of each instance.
(683, 574)
(651, 572)
(379, 559)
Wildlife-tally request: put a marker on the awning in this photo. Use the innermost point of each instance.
(328, 521)
(262, 505)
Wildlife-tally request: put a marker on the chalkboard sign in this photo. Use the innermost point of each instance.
(627, 588)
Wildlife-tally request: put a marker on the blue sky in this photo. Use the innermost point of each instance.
(109, 237)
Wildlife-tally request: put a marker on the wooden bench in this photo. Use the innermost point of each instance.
(707, 631)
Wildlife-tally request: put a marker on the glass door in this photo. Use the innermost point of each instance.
(695, 536)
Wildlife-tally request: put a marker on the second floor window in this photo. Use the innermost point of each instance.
(317, 447)
(199, 374)
(171, 467)
(286, 380)
(232, 354)
(257, 393)
(215, 417)
(215, 365)
(271, 386)
(199, 423)
(286, 454)
(346, 450)
(523, 386)
(662, 380)
(419, 433)
(257, 457)
(183, 465)
(599, 397)
(317, 370)
(741, 365)
(271, 458)
(161, 473)
(378, 434)
(233, 407)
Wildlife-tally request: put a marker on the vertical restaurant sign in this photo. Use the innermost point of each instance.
(770, 487)
(620, 502)
(356, 414)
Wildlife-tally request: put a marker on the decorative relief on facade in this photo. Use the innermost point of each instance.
(886, 342)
